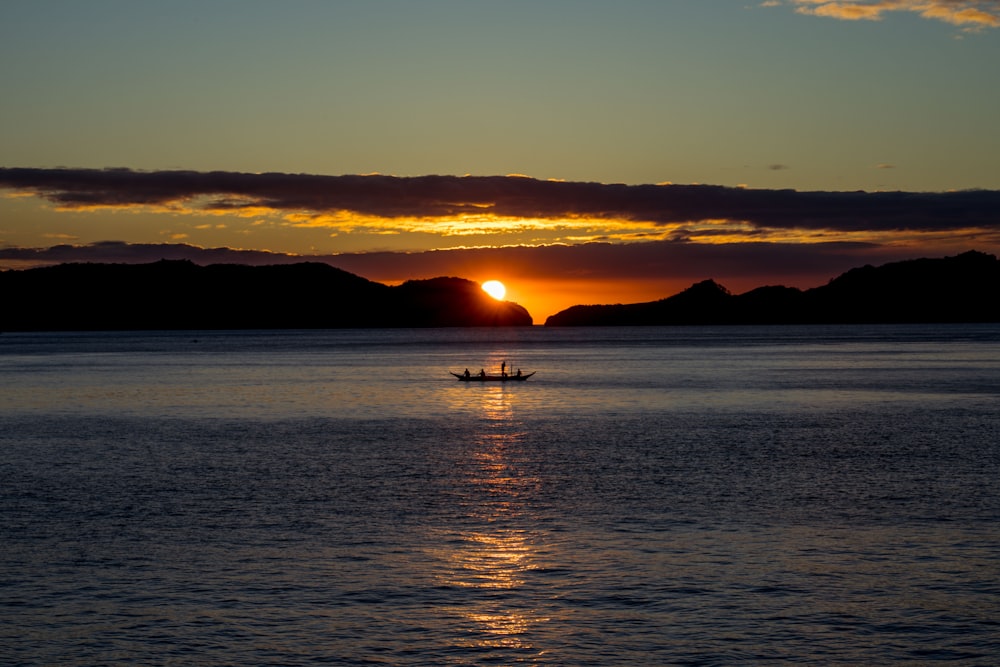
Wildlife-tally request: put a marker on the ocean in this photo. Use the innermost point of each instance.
(652, 496)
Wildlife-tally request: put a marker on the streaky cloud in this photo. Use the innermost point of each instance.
(120, 252)
(591, 261)
(442, 197)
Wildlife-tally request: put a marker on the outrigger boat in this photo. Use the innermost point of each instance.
(482, 377)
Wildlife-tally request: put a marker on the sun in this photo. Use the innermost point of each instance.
(495, 289)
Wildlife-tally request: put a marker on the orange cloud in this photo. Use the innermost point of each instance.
(844, 11)
(970, 15)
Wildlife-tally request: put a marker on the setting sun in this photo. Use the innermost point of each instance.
(495, 289)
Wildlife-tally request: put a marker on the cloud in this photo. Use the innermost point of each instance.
(456, 198)
(970, 15)
(119, 252)
(652, 260)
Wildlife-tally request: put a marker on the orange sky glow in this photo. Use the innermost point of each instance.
(553, 244)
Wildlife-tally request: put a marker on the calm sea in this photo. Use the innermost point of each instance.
(652, 496)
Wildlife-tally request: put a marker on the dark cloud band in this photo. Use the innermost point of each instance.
(511, 196)
(591, 261)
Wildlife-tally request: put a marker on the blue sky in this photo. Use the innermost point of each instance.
(638, 92)
(802, 95)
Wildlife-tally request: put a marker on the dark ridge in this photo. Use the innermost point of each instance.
(964, 288)
(182, 295)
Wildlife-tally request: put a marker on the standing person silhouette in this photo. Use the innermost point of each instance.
(503, 367)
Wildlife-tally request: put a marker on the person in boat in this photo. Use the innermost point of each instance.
(503, 369)
(482, 373)
(466, 372)
(518, 372)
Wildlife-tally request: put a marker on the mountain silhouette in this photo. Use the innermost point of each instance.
(172, 294)
(964, 288)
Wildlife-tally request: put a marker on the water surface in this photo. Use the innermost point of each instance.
(754, 495)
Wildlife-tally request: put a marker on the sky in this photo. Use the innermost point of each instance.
(578, 151)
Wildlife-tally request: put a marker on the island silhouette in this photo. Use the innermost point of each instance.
(964, 288)
(178, 294)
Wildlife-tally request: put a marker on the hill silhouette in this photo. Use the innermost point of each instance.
(182, 295)
(964, 288)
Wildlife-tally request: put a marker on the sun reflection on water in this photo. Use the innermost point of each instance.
(498, 561)
(494, 556)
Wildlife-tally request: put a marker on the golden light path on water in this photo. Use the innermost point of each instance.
(494, 556)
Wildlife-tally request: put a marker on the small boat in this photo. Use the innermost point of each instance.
(493, 378)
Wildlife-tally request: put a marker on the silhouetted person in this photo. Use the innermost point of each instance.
(503, 372)
(518, 372)
(466, 372)
(482, 373)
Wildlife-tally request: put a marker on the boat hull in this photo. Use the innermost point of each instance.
(493, 378)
